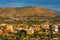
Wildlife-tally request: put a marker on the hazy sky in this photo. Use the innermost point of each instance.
(51, 4)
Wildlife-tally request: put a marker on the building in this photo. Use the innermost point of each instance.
(10, 26)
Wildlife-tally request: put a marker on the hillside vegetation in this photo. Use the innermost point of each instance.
(26, 14)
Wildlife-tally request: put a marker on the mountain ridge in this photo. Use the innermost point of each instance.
(26, 11)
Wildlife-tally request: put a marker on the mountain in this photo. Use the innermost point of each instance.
(26, 11)
(57, 12)
(29, 14)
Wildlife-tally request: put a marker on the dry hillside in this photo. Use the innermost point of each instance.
(26, 11)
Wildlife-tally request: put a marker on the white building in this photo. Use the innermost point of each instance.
(55, 28)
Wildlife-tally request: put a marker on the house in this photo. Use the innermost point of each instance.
(20, 27)
(30, 30)
(55, 27)
(7, 30)
(10, 26)
(1, 32)
(46, 26)
(58, 27)
(37, 29)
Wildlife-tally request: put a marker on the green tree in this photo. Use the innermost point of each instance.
(36, 33)
(22, 33)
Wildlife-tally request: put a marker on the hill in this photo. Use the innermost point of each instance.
(26, 11)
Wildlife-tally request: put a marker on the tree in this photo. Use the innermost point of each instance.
(36, 33)
(22, 33)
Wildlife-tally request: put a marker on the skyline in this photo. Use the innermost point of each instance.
(50, 4)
